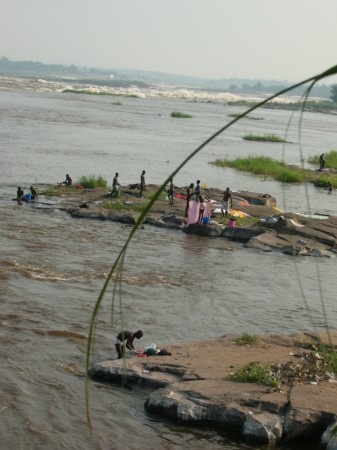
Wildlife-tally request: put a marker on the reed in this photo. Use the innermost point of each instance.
(246, 339)
(92, 182)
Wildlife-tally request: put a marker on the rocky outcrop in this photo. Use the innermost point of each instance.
(192, 386)
(289, 233)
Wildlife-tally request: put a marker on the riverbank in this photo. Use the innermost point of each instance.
(192, 385)
(258, 222)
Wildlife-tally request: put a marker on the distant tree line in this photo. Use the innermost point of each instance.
(33, 67)
(322, 91)
(333, 93)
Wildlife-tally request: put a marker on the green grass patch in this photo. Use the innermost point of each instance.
(93, 182)
(246, 339)
(240, 221)
(180, 115)
(329, 357)
(265, 167)
(255, 373)
(120, 205)
(57, 190)
(264, 138)
(323, 180)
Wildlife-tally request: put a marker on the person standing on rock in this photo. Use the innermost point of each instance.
(197, 190)
(189, 195)
(321, 161)
(202, 207)
(115, 185)
(129, 337)
(142, 183)
(226, 202)
(170, 192)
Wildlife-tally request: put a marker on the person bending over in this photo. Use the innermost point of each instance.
(125, 339)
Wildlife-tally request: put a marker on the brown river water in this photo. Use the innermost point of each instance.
(175, 287)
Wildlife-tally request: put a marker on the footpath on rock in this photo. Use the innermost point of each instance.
(259, 223)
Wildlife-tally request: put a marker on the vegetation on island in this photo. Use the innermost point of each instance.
(92, 182)
(268, 168)
(180, 115)
(318, 106)
(318, 364)
(264, 138)
(247, 117)
(330, 160)
(84, 182)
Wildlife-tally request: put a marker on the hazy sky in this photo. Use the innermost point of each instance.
(266, 39)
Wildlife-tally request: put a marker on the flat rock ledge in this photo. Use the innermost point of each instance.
(287, 233)
(192, 386)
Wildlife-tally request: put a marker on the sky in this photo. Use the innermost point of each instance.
(286, 40)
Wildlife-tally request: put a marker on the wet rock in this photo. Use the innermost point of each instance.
(329, 437)
(87, 213)
(203, 230)
(312, 408)
(166, 221)
(115, 371)
(263, 428)
(241, 234)
(122, 217)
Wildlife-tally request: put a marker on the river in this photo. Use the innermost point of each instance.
(175, 287)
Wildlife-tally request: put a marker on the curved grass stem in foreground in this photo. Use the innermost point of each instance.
(117, 266)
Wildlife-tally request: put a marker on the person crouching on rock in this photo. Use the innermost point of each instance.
(129, 337)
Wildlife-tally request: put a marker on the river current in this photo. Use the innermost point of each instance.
(175, 287)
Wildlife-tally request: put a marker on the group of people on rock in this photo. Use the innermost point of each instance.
(116, 185)
(194, 193)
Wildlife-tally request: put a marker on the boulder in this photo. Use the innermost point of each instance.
(241, 234)
(87, 213)
(122, 217)
(263, 428)
(203, 230)
(311, 410)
